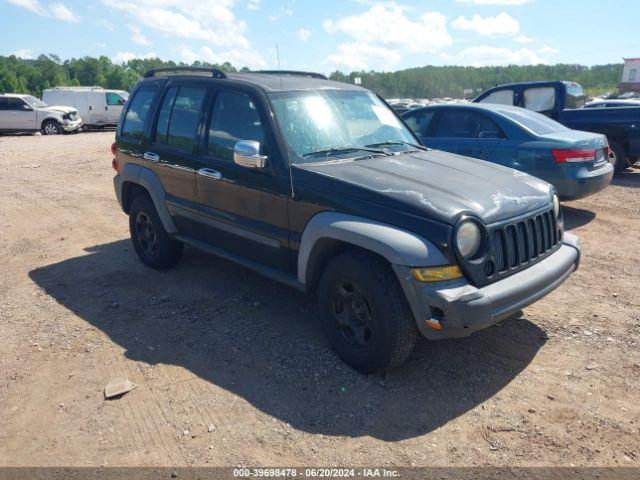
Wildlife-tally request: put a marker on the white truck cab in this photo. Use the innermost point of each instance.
(25, 113)
(98, 107)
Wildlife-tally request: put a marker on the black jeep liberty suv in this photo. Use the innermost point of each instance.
(319, 185)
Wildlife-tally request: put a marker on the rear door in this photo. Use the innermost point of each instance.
(465, 132)
(243, 210)
(172, 146)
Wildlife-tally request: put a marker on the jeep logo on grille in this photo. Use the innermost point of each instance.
(520, 201)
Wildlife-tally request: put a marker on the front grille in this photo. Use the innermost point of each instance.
(517, 244)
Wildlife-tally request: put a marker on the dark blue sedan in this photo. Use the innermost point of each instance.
(575, 162)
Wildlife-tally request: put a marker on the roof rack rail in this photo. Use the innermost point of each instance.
(214, 72)
(292, 72)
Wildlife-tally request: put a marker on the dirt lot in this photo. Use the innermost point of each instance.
(232, 369)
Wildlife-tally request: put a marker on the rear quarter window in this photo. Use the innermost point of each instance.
(136, 116)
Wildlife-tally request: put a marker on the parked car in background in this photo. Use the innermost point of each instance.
(319, 185)
(97, 106)
(25, 113)
(562, 101)
(612, 104)
(575, 162)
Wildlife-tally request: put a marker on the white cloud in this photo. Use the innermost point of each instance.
(281, 12)
(386, 24)
(501, 24)
(522, 38)
(23, 53)
(211, 22)
(303, 34)
(137, 36)
(238, 58)
(31, 5)
(483, 55)
(379, 36)
(253, 4)
(495, 2)
(362, 56)
(61, 12)
(123, 57)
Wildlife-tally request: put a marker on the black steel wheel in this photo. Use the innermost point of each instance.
(154, 246)
(364, 312)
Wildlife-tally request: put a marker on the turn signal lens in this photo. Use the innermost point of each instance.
(437, 274)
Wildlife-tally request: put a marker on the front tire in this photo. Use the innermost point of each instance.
(51, 127)
(364, 312)
(155, 248)
(621, 161)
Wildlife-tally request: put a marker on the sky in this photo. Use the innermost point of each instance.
(325, 35)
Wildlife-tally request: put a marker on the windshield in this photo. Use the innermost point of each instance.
(327, 122)
(34, 102)
(536, 122)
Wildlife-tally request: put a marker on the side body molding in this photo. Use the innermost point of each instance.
(146, 178)
(398, 246)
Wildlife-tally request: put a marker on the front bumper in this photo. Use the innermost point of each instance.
(462, 309)
(72, 125)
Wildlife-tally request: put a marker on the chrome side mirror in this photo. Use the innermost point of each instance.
(246, 153)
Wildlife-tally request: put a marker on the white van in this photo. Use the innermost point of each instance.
(97, 106)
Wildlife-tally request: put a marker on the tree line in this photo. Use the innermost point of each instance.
(19, 75)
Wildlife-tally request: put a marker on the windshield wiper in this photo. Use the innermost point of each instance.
(398, 142)
(330, 151)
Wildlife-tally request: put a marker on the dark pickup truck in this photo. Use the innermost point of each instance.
(562, 101)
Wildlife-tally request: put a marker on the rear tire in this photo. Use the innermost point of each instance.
(621, 160)
(155, 248)
(364, 312)
(51, 127)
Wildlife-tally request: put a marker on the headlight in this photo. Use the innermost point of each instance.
(468, 239)
(556, 205)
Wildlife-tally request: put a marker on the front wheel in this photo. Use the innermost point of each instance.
(51, 127)
(365, 313)
(155, 248)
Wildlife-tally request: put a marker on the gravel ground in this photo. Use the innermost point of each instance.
(232, 369)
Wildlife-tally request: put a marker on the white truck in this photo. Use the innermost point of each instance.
(25, 113)
(98, 107)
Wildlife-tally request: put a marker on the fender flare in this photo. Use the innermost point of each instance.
(151, 183)
(397, 246)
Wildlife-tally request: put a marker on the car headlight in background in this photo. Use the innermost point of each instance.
(468, 239)
(556, 205)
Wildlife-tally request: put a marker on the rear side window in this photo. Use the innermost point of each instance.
(133, 124)
(4, 103)
(179, 117)
(501, 97)
(540, 99)
(419, 122)
(234, 118)
(464, 124)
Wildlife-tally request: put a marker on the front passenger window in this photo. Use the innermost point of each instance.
(419, 123)
(234, 118)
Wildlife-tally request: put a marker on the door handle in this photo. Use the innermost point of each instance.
(106, 109)
(210, 173)
(152, 157)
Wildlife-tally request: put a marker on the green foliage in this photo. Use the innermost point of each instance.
(451, 81)
(32, 76)
(19, 75)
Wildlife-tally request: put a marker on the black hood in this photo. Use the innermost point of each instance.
(438, 185)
